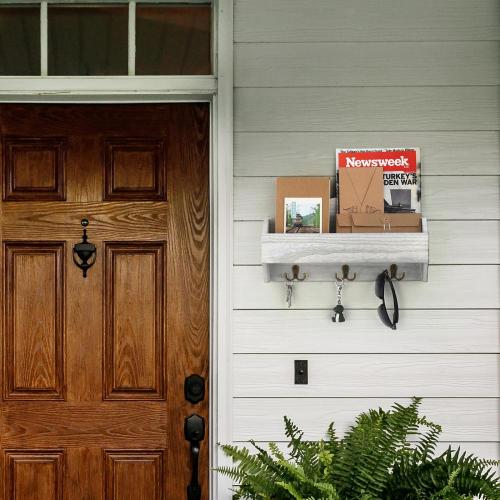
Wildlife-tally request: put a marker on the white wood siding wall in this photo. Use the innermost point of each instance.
(315, 75)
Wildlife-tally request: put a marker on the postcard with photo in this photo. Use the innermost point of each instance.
(302, 194)
(303, 215)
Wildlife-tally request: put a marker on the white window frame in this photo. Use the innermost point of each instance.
(217, 89)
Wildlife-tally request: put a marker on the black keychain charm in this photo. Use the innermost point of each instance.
(338, 310)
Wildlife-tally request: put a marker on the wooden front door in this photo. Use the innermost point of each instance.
(93, 402)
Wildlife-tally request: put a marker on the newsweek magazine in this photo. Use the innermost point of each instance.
(401, 174)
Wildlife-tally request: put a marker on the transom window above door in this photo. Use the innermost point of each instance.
(65, 38)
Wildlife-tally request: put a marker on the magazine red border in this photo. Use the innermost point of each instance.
(402, 191)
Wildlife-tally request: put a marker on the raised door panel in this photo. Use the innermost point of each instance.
(134, 475)
(134, 324)
(34, 320)
(34, 169)
(33, 475)
(134, 169)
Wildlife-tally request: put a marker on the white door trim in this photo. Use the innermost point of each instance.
(218, 90)
(221, 410)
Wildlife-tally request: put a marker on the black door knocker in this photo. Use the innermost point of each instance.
(85, 251)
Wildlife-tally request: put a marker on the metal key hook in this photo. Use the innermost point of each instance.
(393, 271)
(295, 274)
(345, 274)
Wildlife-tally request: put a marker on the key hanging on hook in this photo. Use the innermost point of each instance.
(290, 282)
(338, 310)
(289, 293)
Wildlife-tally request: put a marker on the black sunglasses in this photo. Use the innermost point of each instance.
(382, 309)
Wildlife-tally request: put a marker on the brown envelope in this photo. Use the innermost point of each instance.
(379, 223)
(361, 190)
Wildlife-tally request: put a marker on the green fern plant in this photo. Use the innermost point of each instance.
(385, 455)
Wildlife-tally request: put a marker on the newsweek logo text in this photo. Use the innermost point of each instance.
(391, 161)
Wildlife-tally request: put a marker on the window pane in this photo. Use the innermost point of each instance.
(20, 40)
(88, 40)
(173, 39)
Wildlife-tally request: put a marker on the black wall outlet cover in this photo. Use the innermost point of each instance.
(301, 371)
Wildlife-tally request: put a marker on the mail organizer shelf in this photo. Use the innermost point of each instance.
(323, 255)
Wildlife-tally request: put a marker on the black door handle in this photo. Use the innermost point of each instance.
(193, 489)
(194, 431)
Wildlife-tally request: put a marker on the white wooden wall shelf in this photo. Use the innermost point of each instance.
(321, 256)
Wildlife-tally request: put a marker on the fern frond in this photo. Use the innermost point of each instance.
(371, 446)
(428, 441)
(451, 471)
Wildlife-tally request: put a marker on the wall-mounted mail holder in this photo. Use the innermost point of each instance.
(321, 256)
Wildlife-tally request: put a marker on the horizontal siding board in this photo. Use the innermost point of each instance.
(464, 242)
(449, 287)
(366, 108)
(361, 64)
(443, 198)
(365, 20)
(368, 375)
(419, 331)
(450, 243)
(488, 450)
(465, 198)
(246, 242)
(262, 419)
(313, 153)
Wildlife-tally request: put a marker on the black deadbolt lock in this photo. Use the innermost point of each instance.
(194, 428)
(194, 388)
